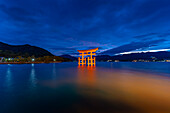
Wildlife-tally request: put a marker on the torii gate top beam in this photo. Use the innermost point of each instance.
(86, 51)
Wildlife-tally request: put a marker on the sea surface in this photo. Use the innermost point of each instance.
(120, 87)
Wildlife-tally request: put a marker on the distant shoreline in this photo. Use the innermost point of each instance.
(27, 62)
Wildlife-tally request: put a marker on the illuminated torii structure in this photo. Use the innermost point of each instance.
(91, 61)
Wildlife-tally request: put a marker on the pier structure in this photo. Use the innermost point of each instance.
(90, 60)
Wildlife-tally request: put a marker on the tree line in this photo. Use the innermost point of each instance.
(45, 59)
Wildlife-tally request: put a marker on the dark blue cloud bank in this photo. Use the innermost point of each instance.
(63, 26)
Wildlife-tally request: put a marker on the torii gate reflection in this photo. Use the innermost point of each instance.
(87, 75)
(91, 60)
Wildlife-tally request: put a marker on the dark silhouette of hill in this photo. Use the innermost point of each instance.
(69, 57)
(129, 57)
(7, 50)
(136, 56)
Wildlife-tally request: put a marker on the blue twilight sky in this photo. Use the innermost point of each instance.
(63, 26)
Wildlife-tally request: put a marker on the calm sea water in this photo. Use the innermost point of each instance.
(66, 88)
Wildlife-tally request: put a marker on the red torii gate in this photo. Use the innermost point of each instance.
(91, 61)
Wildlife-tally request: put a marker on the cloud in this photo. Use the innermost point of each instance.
(153, 35)
(158, 50)
(82, 24)
(18, 15)
(163, 35)
(145, 35)
(63, 48)
(133, 46)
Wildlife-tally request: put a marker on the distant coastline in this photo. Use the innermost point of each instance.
(28, 62)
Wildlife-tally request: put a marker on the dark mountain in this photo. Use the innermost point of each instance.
(69, 57)
(22, 50)
(136, 56)
(129, 57)
(103, 57)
